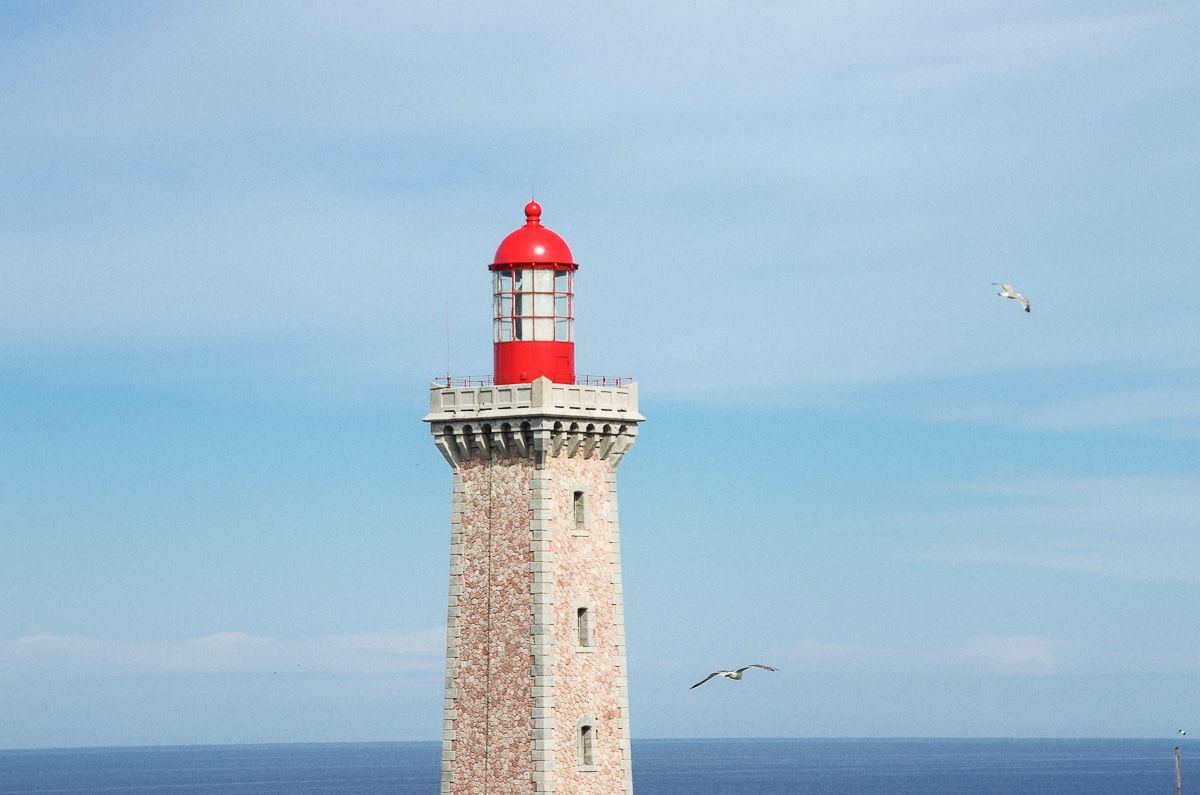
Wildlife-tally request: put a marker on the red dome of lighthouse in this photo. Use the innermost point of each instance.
(533, 243)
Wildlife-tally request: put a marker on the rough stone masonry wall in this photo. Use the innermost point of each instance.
(587, 683)
(490, 644)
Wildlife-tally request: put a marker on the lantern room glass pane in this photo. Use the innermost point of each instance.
(543, 280)
(506, 305)
(544, 328)
(560, 305)
(560, 282)
(524, 305)
(523, 280)
(504, 281)
(543, 304)
(504, 330)
(562, 331)
(524, 328)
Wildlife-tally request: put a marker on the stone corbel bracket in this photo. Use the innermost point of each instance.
(534, 420)
(537, 437)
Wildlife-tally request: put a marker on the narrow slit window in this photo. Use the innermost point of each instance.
(579, 514)
(583, 623)
(587, 742)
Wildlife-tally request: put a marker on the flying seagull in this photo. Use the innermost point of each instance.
(1183, 732)
(733, 674)
(1006, 291)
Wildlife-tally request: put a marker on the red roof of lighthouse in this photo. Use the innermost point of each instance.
(533, 243)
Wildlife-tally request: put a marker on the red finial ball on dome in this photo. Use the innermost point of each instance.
(533, 213)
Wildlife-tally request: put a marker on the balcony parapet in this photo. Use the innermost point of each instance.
(543, 397)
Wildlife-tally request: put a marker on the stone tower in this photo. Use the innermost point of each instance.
(536, 698)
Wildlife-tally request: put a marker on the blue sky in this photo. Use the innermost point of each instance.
(230, 236)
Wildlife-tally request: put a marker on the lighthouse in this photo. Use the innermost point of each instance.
(536, 693)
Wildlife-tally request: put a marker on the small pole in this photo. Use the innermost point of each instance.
(1178, 782)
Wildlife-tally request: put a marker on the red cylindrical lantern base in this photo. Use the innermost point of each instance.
(520, 362)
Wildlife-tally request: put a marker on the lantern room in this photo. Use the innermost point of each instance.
(533, 312)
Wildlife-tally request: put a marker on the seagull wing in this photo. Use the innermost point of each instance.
(756, 665)
(705, 679)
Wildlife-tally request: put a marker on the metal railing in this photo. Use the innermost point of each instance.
(463, 381)
(603, 380)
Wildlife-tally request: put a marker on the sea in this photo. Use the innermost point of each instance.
(661, 767)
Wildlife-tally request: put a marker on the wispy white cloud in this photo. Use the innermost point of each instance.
(1012, 653)
(1157, 411)
(811, 649)
(46, 656)
(1176, 411)
(1139, 527)
(988, 654)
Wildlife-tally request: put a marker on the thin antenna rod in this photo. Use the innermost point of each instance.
(448, 384)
